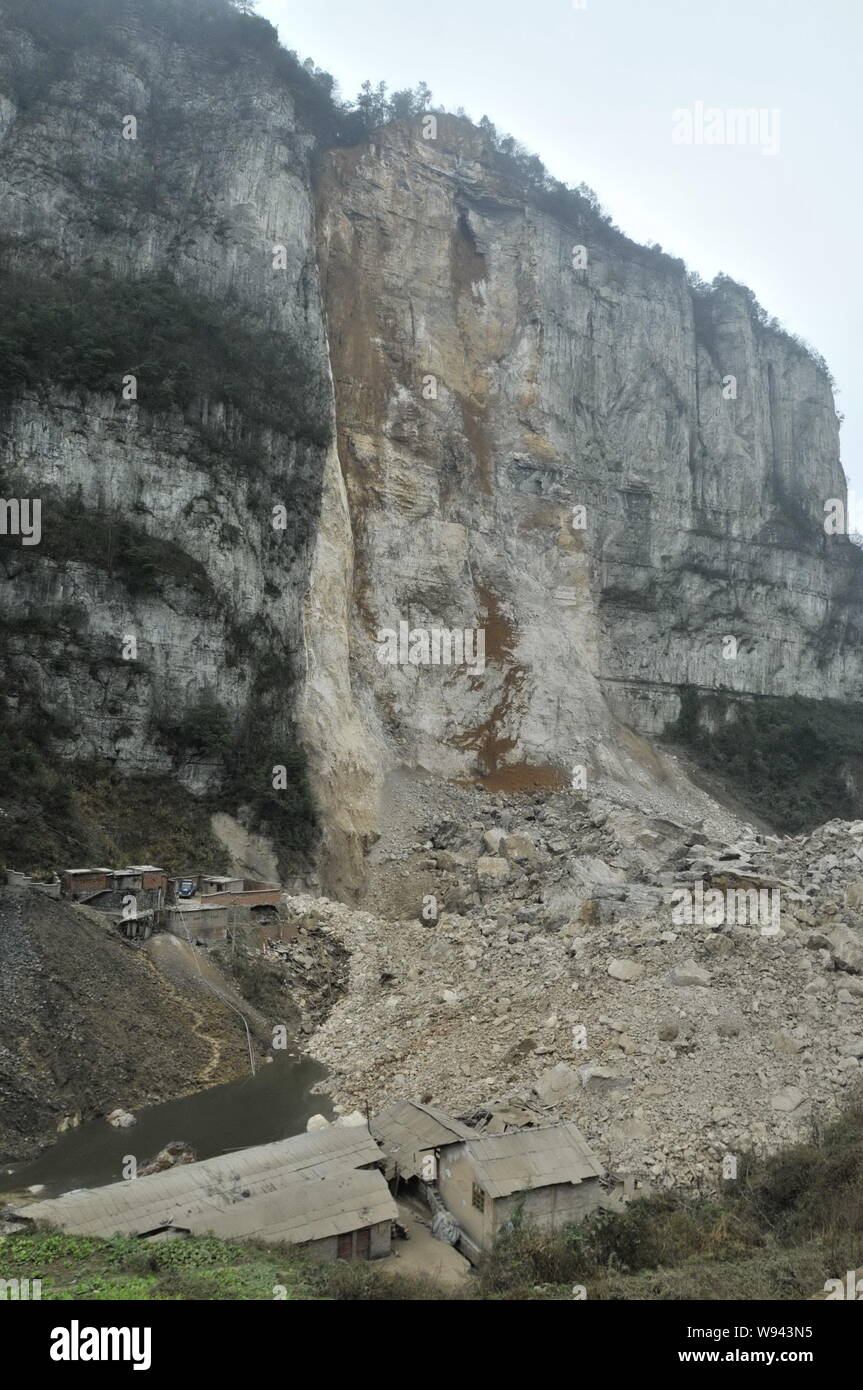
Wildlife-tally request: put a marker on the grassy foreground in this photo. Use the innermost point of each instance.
(788, 1223)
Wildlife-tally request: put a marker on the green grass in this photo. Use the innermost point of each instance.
(197, 1268)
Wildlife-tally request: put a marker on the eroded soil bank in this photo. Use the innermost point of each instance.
(90, 1022)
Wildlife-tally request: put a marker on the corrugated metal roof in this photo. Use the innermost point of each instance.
(507, 1163)
(408, 1129)
(234, 1193)
(305, 1210)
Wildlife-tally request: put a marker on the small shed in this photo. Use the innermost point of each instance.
(220, 883)
(194, 920)
(128, 880)
(152, 877)
(80, 883)
(547, 1173)
(410, 1134)
(346, 1217)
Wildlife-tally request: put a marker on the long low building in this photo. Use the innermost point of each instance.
(322, 1190)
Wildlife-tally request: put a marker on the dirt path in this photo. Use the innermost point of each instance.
(191, 973)
(422, 1254)
(206, 1074)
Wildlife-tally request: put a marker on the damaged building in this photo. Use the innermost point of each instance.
(546, 1173)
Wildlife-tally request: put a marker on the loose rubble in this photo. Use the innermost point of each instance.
(554, 981)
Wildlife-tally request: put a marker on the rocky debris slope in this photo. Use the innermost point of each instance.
(555, 977)
(87, 1022)
(290, 983)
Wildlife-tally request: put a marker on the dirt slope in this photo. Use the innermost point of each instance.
(88, 1023)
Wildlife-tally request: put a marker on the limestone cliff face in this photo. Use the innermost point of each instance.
(215, 190)
(557, 387)
(474, 384)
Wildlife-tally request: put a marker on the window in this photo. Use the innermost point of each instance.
(478, 1198)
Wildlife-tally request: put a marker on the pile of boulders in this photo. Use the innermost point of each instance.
(551, 973)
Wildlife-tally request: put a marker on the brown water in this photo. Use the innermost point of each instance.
(272, 1105)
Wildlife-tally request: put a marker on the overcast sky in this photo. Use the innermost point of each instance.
(590, 86)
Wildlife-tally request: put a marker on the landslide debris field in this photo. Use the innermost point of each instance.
(554, 982)
(785, 1228)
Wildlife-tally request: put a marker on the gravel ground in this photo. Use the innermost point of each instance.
(556, 978)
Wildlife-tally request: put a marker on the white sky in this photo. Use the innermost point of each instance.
(591, 91)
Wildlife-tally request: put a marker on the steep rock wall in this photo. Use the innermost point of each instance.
(559, 384)
(215, 192)
(474, 383)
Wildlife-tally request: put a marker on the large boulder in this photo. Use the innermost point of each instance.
(557, 1084)
(492, 872)
(355, 1120)
(690, 974)
(171, 1156)
(121, 1119)
(518, 848)
(492, 840)
(787, 1099)
(601, 1079)
(626, 970)
(847, 949)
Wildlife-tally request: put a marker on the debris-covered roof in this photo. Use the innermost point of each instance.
(408, 1129)
(541, 1157)
(269, 1190)
(306, 1210)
